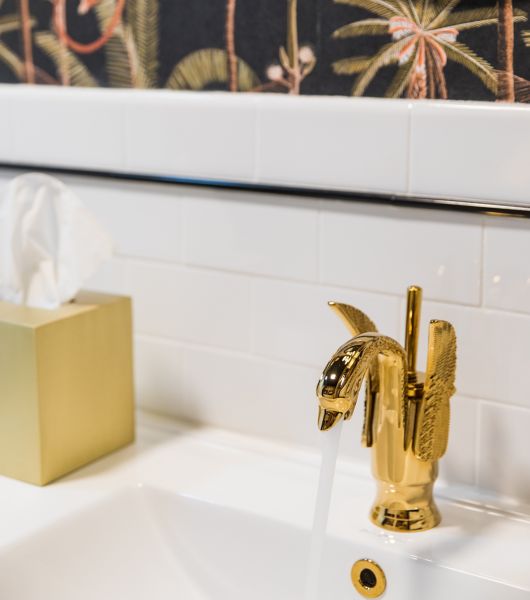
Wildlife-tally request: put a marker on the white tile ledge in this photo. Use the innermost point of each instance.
(472, 151)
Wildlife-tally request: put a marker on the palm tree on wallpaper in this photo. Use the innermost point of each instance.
(520, 84)
(230, 34)
(505, 40)
(29, 67)
(215, 66)
(424, 36)
(295, 62)
(23, 67)
(128, 35)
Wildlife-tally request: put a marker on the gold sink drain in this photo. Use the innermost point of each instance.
(368, 578)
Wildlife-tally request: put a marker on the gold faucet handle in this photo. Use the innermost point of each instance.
(412, 328)
(354, 319)
(432, 421)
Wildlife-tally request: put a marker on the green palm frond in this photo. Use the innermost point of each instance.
(384, 8)
(404, 8)
(401, 78)
(479, 17)
(79, 74)
(117, 62)
(443, 10)
(351, 66)
(427, 12)
(11, 23)
(413, 11)
(478, 66)
(9, 58)
(387, 55)
(206, 67)
(142, 18)
(365, 27)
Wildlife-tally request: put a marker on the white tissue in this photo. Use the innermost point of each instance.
(49, 243)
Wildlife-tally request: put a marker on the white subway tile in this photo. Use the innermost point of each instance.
(459, 463)
(386, 249)
(197, 306)
(144, 220)
(292, 321)
(452, 153)
(504, 451)
(335, 143)
(238, 392)
(161, 382)
(111, 277)
(264, 398)
(507, 264)
(68, 127)
(251, 235)
(493, 350)
(191, 134)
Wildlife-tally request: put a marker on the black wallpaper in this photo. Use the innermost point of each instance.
(443, 48)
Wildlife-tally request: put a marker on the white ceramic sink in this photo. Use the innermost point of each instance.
(234, 525)
(145, 543)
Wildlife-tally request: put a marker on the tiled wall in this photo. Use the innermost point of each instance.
(232, 328)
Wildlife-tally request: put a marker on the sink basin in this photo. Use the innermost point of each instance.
(144, 542)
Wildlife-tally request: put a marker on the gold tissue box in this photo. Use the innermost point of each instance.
(66, 385)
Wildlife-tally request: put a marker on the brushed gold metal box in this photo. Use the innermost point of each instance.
(66, 385)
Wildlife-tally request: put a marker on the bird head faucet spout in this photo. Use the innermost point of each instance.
(406, 413)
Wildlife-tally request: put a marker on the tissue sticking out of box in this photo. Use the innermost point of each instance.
(49, 243)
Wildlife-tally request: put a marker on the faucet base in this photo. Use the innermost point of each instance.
(406, 520)
(405, 508)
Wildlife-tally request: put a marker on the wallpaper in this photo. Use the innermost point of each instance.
(458, 49)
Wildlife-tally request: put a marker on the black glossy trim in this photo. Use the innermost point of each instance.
(467, 206)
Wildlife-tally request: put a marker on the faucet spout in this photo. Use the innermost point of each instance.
(367, 355)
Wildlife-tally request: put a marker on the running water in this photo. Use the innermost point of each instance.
(330, 450)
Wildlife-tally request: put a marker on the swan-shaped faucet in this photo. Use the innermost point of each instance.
(406, 417)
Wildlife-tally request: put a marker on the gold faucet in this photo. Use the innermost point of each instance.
(406, 414)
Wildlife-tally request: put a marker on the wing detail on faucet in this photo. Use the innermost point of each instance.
(354, 319)
(432, 421)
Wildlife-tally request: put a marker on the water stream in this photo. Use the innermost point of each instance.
(330, 448)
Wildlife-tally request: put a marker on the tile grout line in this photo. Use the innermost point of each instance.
(221, 350)
(163, 263)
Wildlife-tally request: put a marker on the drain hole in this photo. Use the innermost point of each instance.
(368, 578)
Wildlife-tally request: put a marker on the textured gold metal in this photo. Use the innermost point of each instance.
(66, 392)
(432, 423)
(368, 578)
(406, 420)
(354, 319)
